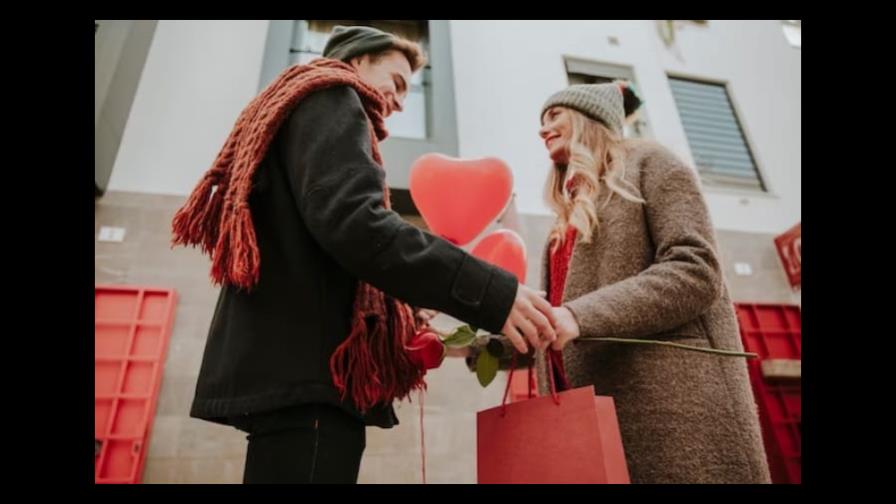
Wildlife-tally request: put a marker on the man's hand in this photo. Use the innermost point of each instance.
(531, 319)
(425, 315)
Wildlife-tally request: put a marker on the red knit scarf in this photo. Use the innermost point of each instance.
(558, 265)
(372, 364)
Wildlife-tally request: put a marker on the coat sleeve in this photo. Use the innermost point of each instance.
(685, 277)
(338, 190)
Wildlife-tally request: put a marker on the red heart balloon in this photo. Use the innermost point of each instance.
(504, 248)
(459, 198)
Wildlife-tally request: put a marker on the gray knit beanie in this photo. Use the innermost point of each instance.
(601, 102)
(347, 42)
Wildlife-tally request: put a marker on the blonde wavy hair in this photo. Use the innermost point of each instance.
(596, 165)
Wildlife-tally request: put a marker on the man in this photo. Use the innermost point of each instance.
(307, 343)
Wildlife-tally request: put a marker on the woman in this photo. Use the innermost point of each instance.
(632, 255)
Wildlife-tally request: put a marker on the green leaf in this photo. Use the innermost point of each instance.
(486, 368)
(462, 337)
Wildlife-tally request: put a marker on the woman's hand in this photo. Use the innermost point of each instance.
(567, 327)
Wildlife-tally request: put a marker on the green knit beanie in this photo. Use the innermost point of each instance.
(348, 42)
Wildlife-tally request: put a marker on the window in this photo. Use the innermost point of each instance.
(429, 120)
(715, 136)
(793, 32)
(310, 37)
(589, 72)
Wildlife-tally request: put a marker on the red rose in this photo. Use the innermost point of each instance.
(426, 349)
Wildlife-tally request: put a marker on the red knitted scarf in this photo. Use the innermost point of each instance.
(558, 265)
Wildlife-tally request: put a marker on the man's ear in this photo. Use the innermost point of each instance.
(357, 61)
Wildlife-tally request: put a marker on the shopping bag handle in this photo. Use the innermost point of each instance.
(531, 379)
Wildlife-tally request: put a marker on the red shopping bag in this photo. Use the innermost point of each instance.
(568, 437)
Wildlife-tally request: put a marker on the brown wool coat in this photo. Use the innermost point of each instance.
(653, 272)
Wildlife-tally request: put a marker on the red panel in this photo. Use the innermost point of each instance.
(132, 328)
(775, 332)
